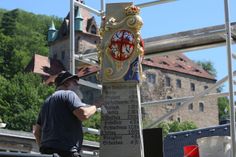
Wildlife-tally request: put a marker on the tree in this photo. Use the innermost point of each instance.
(8, 23)
(93, 122)
(176, 126)
(223, 105)
(208, 66)
(20, 100)
(22, 35)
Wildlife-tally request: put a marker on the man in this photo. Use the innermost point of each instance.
(59, 125)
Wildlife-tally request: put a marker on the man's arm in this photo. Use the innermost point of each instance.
(37, 133)
(84, 112)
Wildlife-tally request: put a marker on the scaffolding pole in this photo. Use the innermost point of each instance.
(230, 74)
(72, 37)
(92, 10)
(148, 4)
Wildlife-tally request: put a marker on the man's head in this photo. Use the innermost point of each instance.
(66, 79)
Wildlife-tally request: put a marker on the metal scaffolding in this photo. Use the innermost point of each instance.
(214, 36)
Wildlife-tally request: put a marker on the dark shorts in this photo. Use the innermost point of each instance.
(61, 153)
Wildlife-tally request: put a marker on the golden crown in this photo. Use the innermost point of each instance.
(132, 10)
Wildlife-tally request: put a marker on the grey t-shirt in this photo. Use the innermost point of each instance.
(60, 128)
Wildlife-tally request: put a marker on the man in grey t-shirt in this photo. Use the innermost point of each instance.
(59, 125)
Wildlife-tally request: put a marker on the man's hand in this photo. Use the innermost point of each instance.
(37, 133)
(99, 102)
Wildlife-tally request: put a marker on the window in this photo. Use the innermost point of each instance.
(149, 59)
(201, 107)
(164, 63)
(205, 87)
(171, 118)
(93, 29)
(179, 119)
(151, 78)
(55, 56)
(180, 59)
(169, 97)
(192, 85)
(143, 112)
(178, 104)
(179, 66)
(62, 55)
(167, 82)
(190, 107)
(178, 83)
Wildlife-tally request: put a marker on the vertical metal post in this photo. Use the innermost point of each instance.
(72, 37)
(102, 8)
(230, 74)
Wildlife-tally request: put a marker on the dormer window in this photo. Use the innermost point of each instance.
(181, 59)
(149, 59)
(164, 63)
(93, 29)
(197, 70)
(179, 66)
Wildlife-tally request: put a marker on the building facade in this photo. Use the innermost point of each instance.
(170, 77)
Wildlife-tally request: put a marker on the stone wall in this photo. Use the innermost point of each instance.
(60, 49)
(203, 112)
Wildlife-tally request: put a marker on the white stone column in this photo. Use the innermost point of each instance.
(120, 54)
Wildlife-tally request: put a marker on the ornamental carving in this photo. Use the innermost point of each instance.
(121, 49)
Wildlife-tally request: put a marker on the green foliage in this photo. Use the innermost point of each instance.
(22, 35)
(208, 66)
(176, 126)
(223, 107)
(93, 122)
(8, 23)
(20, 100)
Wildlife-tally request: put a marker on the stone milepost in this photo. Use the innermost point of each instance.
(120, 55)
(121, 129)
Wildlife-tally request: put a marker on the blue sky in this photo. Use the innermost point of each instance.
(173, 17)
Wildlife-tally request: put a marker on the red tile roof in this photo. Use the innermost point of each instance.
(45, 66)
(178, 63)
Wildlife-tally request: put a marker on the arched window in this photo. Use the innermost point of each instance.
(151, 78)
(201, 107)
(179, 119)
(93, 29)
(190, 107)
(169, 97)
